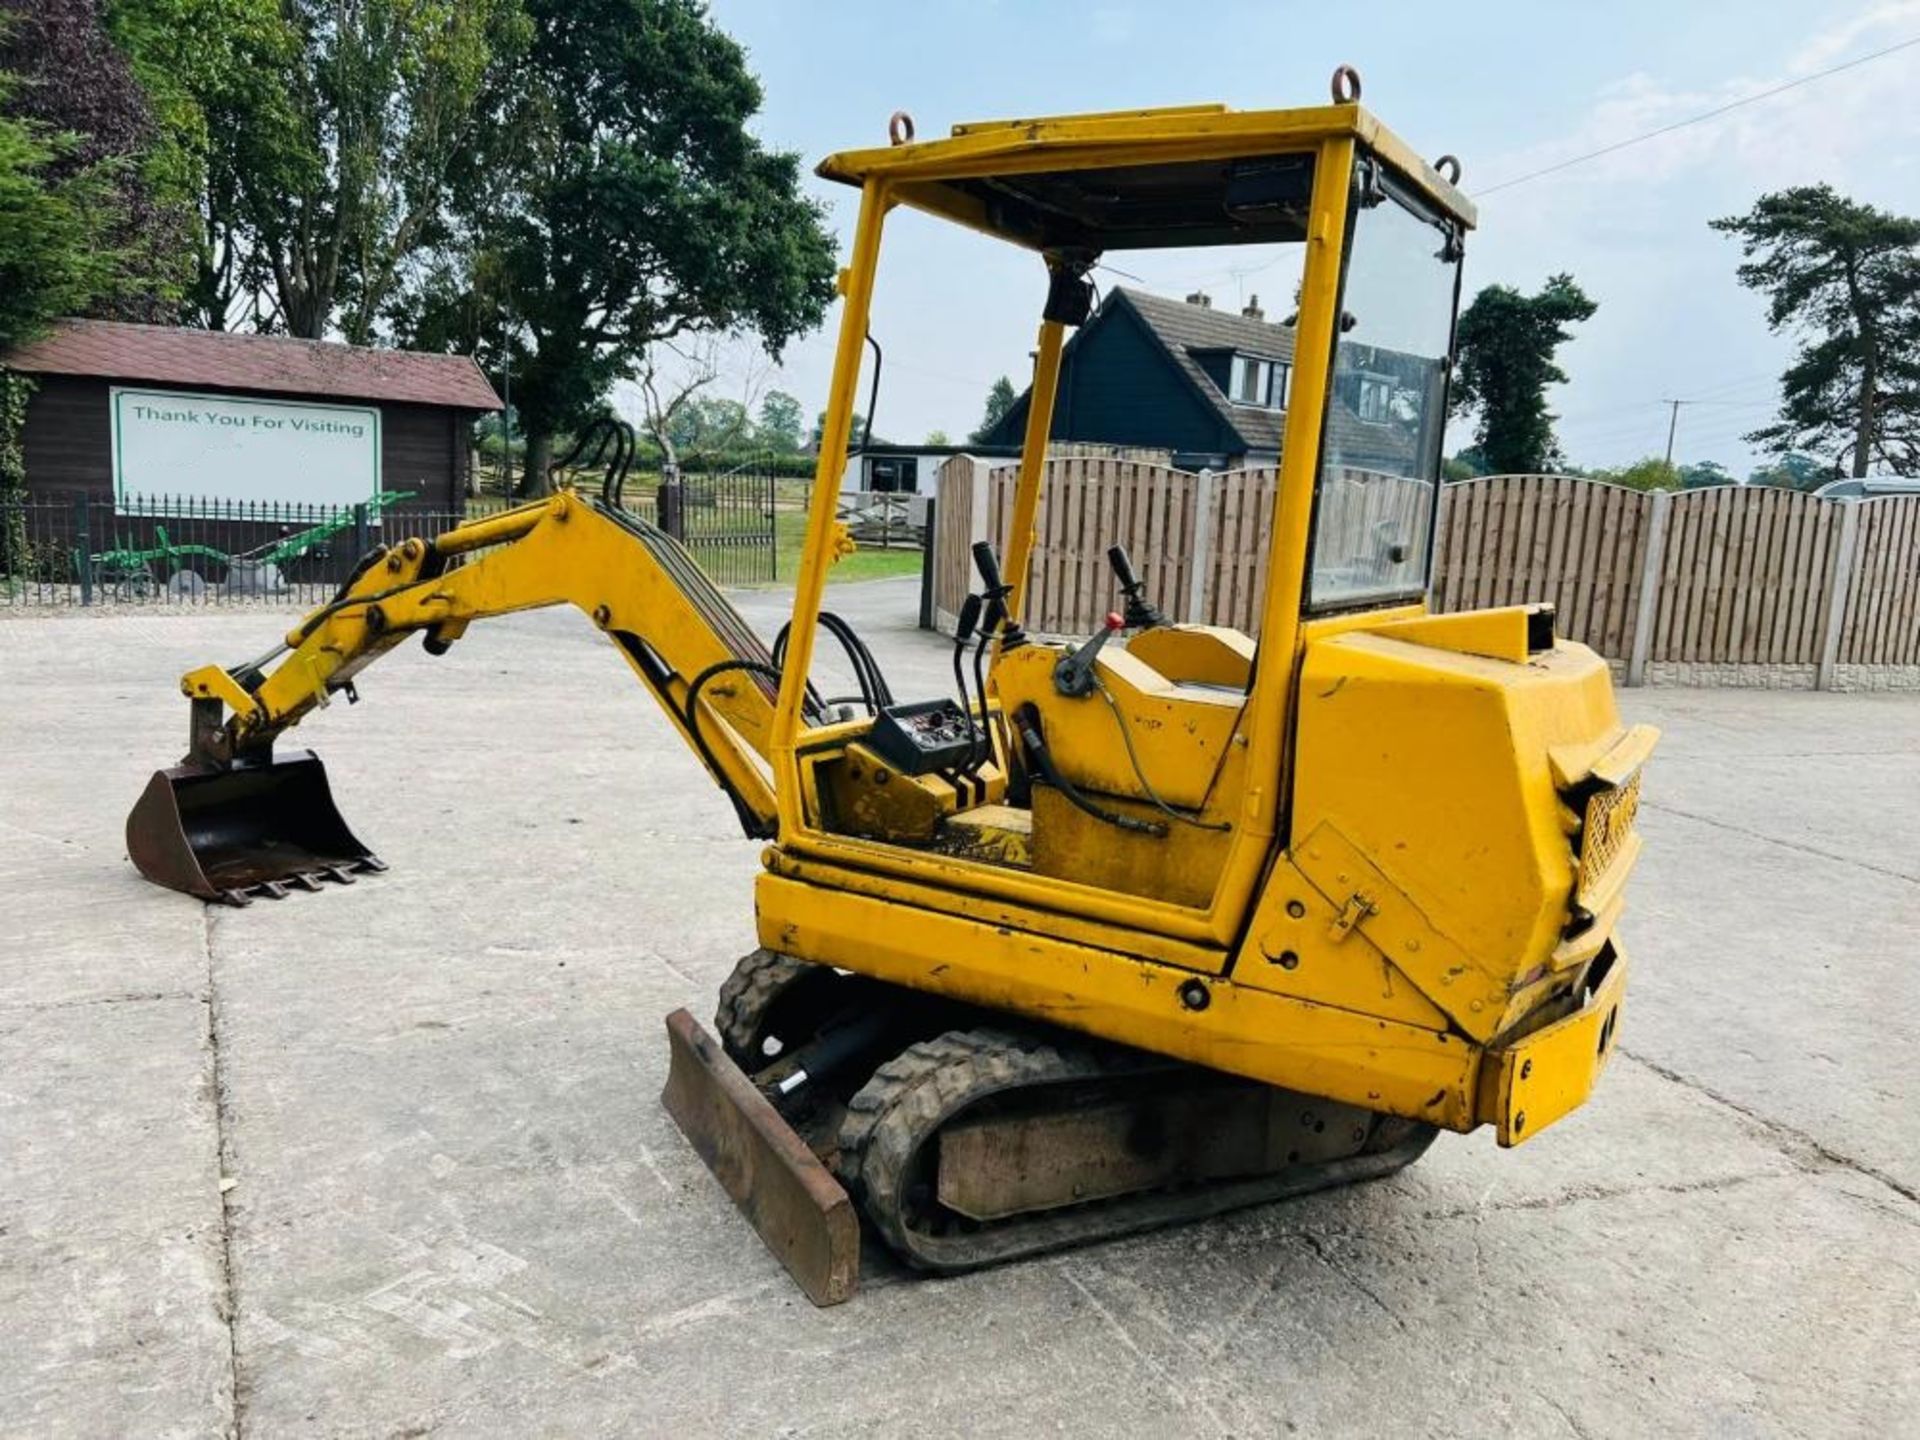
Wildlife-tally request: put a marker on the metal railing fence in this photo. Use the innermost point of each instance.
(85, 549)
(89, 549)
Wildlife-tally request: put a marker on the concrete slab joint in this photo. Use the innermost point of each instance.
(224, 1177)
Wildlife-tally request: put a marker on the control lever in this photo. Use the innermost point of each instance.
(1141, 612)
(995, 620)
(1073, 673)
(988, 564)
(962, 632)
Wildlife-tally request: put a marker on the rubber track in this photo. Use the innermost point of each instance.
(899, 1111)
(758, 980)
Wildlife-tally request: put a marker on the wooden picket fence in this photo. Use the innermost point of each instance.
(1731, 576)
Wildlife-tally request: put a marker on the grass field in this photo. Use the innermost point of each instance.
(790, 533)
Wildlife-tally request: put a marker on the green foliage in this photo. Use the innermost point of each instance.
(1652, 473)
(1845, 278)
(80, 232)
(855, 431)
(937, 437)
(1506, 344)
(229, 134)
(713, 426)
(388, 100)
(1793, 471)
(1468, 464)
(1704, 475)
(57, 253)
(1000, 399)
(15, 391)
(782, 424)
(626, 204)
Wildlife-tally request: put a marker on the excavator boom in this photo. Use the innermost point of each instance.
(231, 821)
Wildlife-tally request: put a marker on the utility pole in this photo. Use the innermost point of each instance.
(1673, 424)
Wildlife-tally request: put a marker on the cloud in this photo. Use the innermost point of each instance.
(1834, 128)
(1886, 23)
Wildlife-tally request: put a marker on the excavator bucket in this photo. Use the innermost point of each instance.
(230, 834)
(780, 1185)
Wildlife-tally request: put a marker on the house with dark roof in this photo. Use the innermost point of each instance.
(136, 412)
(1210, 385)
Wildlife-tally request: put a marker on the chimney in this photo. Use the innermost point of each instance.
(1253, 310)
(1201, 298)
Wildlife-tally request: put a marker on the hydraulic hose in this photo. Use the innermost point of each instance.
(756, 828)
(1028, 719)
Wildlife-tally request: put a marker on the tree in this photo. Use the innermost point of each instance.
(226, 128)
(937, 437)
(1705, 474)
(1000, 399)
(1793, 471)
(1845, 278)
(782, 424)
(666, 402)
(856, 428)
(1652, 473)
(715, 425)
(57, 253)
(631, 207)
(82, 126)
(1506, 343)
(337, 133)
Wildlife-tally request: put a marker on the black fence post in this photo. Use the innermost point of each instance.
(670, 503)
(359, 531)
(926, 566)
(83, 546)
(772, 514)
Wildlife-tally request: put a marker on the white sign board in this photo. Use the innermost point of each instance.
(167, 443)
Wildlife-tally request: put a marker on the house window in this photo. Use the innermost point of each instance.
(1376, 399)
(1258, 382)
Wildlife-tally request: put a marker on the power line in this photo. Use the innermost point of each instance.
(1703, 116)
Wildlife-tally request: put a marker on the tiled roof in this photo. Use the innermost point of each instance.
(1184, 328)
(1201, 327)
(160, 354)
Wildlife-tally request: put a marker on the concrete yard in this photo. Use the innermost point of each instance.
(389, 1160)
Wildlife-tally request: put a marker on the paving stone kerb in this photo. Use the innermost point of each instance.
(451, 1201)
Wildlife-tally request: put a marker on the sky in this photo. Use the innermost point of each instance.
(1508, 88)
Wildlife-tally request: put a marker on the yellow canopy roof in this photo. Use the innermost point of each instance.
(1132, 179)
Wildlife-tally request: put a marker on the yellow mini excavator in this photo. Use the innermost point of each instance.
(1132, 929)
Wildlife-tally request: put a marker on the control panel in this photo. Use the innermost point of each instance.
(924, 736)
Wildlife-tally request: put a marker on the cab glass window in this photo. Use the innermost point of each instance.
(1380, 459)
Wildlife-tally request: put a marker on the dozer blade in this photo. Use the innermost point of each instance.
(787, 1195)
(255, 829)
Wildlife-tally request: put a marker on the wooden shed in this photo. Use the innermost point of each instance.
(135, 412)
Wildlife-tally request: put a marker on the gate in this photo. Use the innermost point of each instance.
(723, 512)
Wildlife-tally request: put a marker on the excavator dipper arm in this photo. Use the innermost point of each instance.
(231, 821)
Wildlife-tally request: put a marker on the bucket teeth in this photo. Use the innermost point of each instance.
(234, 833)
